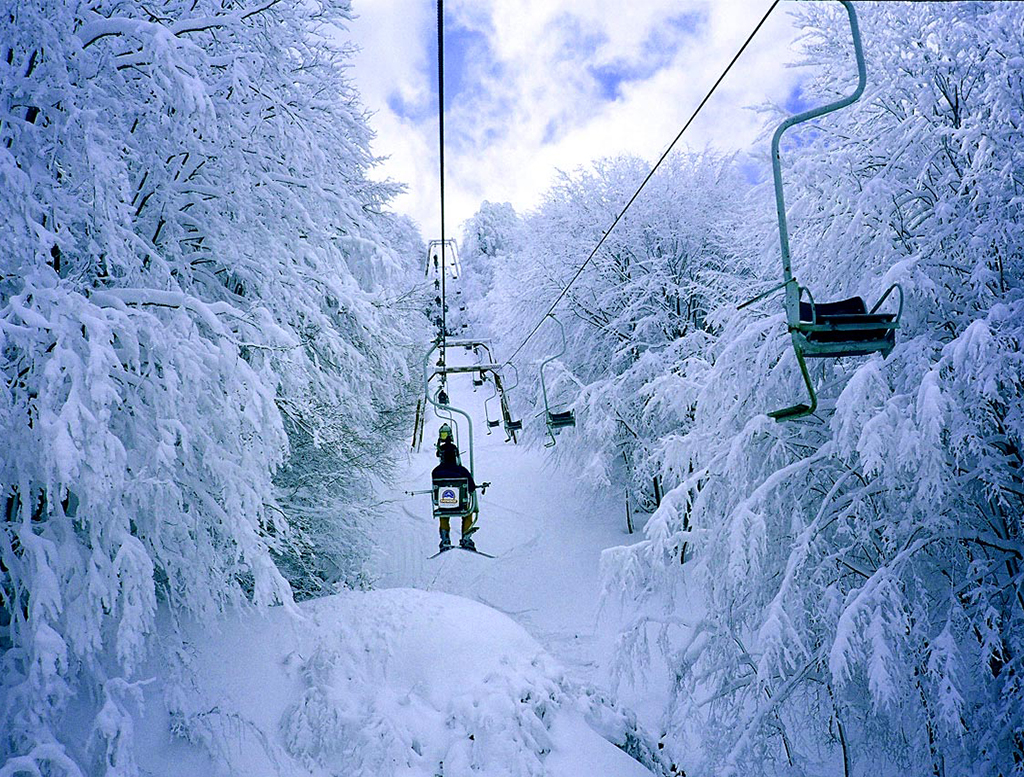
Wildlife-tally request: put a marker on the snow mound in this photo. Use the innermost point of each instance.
(392, 682)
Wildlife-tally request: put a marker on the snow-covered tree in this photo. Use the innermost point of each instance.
(637, 321)
(193, 268)
(489, 239)
(859, 572)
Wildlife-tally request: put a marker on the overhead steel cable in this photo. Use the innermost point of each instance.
(440, 144)
(582, 267)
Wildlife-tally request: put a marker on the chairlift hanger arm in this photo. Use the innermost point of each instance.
(428, 373)
(555, 420)
(547, 361)
(516, 371)
(800, 118)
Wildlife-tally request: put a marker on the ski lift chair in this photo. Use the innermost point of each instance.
(491, 423)
(511, 425)
(827, 329)
(555, 420)
(452, 498)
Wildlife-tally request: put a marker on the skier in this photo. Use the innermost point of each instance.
(447, 469)
(444, 434)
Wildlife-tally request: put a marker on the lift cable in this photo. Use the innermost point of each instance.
(618, 218)
(440, 143)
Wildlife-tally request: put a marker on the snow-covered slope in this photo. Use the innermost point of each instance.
(389, 682)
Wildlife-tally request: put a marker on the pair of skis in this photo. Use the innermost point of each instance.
(459, 547)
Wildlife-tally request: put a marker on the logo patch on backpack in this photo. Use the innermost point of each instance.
(448, 497)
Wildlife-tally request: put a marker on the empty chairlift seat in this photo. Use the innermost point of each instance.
(492, 423)
(847, 327)
(560, 420)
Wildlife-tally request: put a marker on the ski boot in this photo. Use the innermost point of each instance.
(446, 540)
(466, 543)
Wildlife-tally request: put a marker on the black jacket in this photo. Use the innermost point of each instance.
(452, 470)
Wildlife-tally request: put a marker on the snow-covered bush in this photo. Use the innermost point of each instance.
(191, 272)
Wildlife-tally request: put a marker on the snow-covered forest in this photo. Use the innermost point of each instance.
(212, 322)
(205, 336)
(859, 572)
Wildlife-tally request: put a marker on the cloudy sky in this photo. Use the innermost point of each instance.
(536, 86)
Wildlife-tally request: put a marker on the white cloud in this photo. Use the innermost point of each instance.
(537, 83)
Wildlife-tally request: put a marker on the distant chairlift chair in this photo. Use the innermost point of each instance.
(827, 329)
(438, 251)
(495, 422)
(511, 425)
(555, 420)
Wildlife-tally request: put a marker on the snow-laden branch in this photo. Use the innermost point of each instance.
(98, 27)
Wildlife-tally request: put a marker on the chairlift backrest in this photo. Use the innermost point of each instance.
(451, 496)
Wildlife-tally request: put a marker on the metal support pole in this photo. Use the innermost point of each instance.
(792, 301)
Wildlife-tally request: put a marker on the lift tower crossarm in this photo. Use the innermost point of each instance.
(466, 368)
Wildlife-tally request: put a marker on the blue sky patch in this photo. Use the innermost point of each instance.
(413, 111)
(579, 42)
(550, 134)
(796, 100)
(656, 52)
(466, 53)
